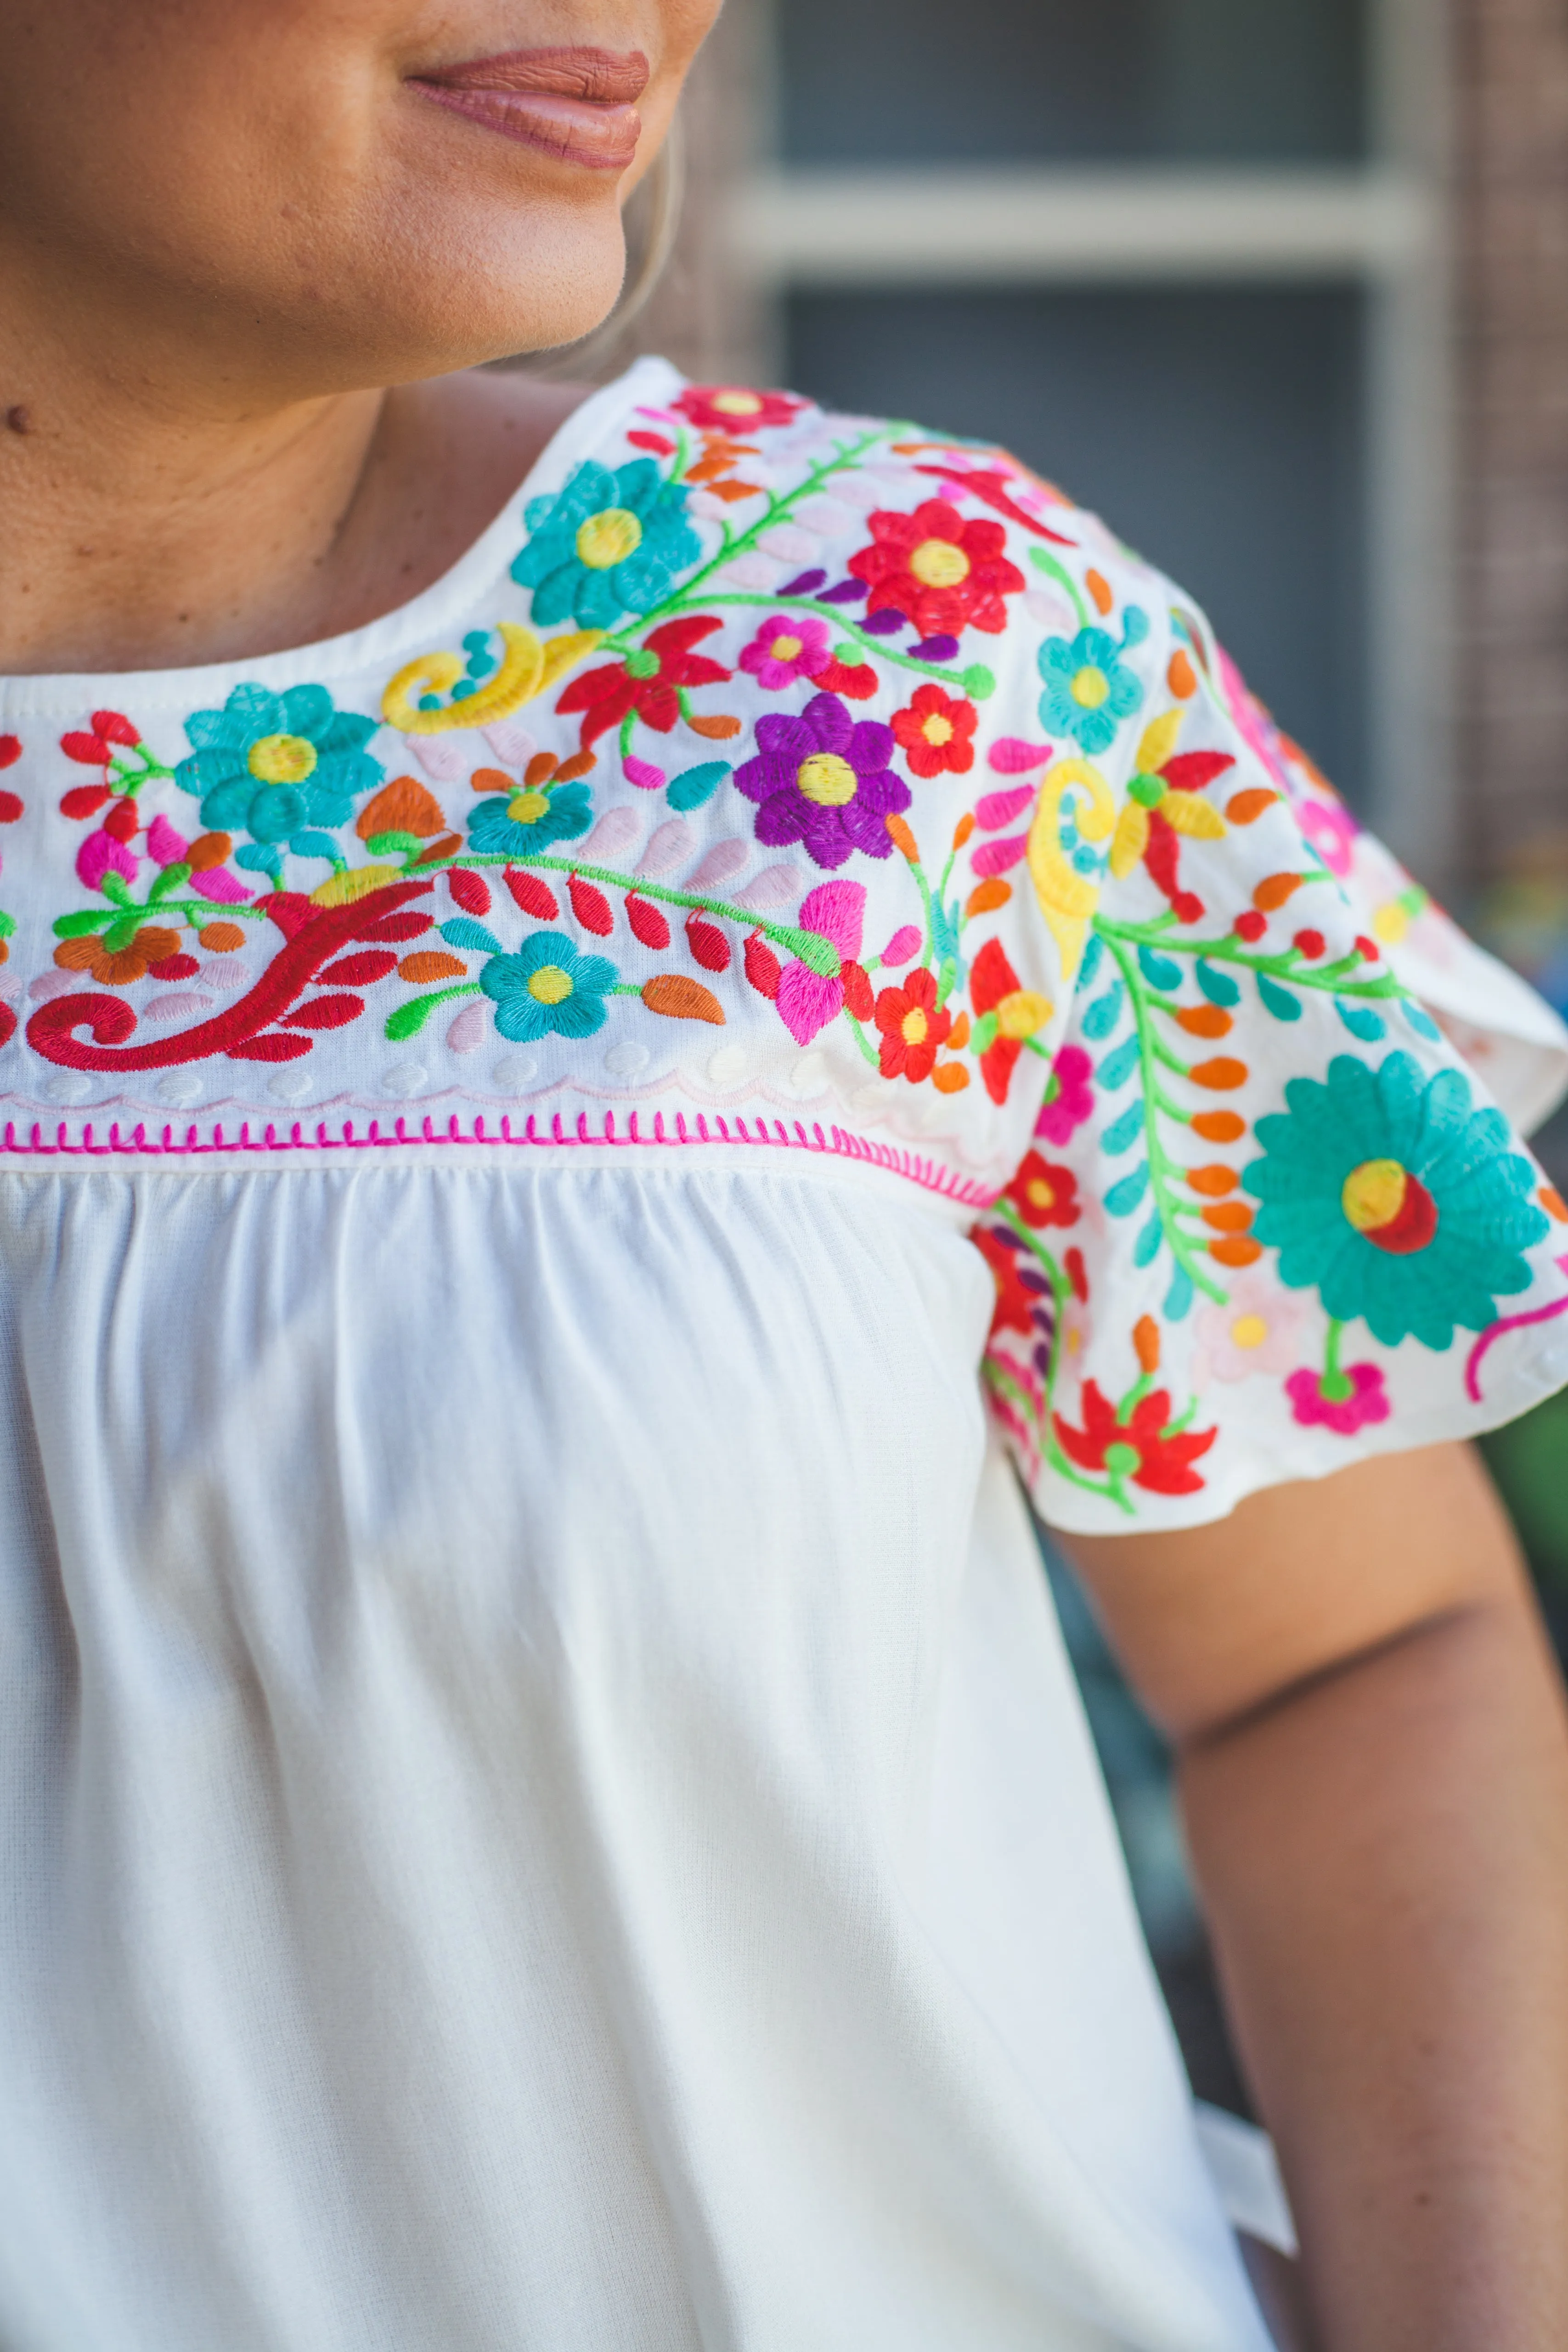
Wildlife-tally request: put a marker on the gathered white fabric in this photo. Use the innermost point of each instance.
(544, 1801)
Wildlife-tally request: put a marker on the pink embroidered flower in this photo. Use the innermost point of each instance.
(1073, 1100)
(1366, 1403)
(104, 852)
(1332, 830)
(807, 999)
(793, 645)
(1256, 1331)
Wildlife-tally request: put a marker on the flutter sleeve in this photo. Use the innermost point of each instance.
(1275, 1213)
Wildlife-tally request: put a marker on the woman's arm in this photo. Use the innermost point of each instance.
(1373, 1764)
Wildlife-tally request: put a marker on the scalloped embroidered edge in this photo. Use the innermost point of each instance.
(835, 1142)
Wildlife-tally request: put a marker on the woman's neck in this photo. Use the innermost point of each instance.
(137, 536)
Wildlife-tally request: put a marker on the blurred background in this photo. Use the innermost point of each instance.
(1283, 291)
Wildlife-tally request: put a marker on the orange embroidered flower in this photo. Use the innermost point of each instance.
(119, 968)
(914, 1027)
(937, 730)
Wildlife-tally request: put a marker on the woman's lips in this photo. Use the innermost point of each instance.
(576, 104)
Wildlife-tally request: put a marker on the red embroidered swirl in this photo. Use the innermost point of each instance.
(313, 936)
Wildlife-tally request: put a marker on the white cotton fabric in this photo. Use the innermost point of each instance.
(545, 1801)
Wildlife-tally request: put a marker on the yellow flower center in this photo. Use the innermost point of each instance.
(937, 563)
(1373, 1194)
(1090, 687)
(283, 758)
(1041, 1195)
(828, 780)
(786, 648)
(550, 985)
(937, 730)
(608, 538)
(1248, 1331)
(914, 1028)
(1390, 923)
(1020, 1014)
(528, 807)
(738, 404)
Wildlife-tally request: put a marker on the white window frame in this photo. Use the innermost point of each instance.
(1382, 226)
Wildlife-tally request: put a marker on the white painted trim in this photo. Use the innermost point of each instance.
(1029, 227)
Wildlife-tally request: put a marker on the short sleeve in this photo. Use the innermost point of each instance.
(1275, 1213)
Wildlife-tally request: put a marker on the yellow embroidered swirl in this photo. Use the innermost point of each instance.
(528, 667)
(1068, 897)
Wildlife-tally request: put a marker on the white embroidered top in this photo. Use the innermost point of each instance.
(544, 1801)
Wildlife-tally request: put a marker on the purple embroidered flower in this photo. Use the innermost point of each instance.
(824, 780)
(1366, 1402)
(104, 852)
(786, 648)
(1072, 1095)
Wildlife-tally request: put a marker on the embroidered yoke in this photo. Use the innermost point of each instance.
(549, 1144)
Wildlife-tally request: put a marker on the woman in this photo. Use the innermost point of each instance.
(542, 1801)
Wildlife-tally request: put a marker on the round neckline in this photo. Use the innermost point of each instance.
(403, 629)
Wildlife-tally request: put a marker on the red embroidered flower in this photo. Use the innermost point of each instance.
(1014, 1308)
(913, 1027)
(647, 681)
(1009, 1014)
(943, 573)
(1144, 1447)
(1044, 1194)
(735, 409)
(937, 730)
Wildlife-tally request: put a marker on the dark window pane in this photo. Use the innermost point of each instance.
(1217, 432)
(892, 81)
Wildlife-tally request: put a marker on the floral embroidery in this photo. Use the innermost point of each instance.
(1395, 1200)
(1092, 942)
(609, 543)
(824, 780)
(936, 569)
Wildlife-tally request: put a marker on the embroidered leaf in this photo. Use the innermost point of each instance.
(1123, 1133)
(1119, 1066)
(393, 845)
(1179, 1298)
(903, 944)
(1421, 1022)
(1092, 960)
(469, 1028)
(1189, 772)
(356, 971)
(534, 897)
(388, 927)
(1159, 971)
(410, 1018)
(478, 938)
(312, 844)
(84, 799)
(1362, 1021)
(647, 921)
(401, 806)
(471, 890)
(1246, 808)
(643, 775)
(672, 844)
(1218, 986)
(277, 1045)
(722, 862)
(1102, 1017)
(707, 943)
(1000, 856)
(1124, 1197)
(173, 878)
(995, 810)
(325, 1013)
(680, 998)
(1283, 1003)
(427, 965)
(693, 786)
(1146, 1248)
(612, 836)
(761, 966)
(987, 897)
(1010, 756)
(857, 993)
(775, 886)
(590, 906)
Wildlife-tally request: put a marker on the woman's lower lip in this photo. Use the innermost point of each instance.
(574, 131)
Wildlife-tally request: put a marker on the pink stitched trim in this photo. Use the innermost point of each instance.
(1494, 1332)
(836, 1142)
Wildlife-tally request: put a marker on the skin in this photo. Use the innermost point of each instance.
(244, 263)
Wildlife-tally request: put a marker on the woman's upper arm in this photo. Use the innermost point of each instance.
(1214, 1622)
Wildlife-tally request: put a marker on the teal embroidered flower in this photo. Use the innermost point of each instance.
(1089, 690)
(548, 988)
(274, 765)
(609, 542)
(1395, 1200)
(532, 819)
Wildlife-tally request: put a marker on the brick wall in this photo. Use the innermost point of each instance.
(1511, 124)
